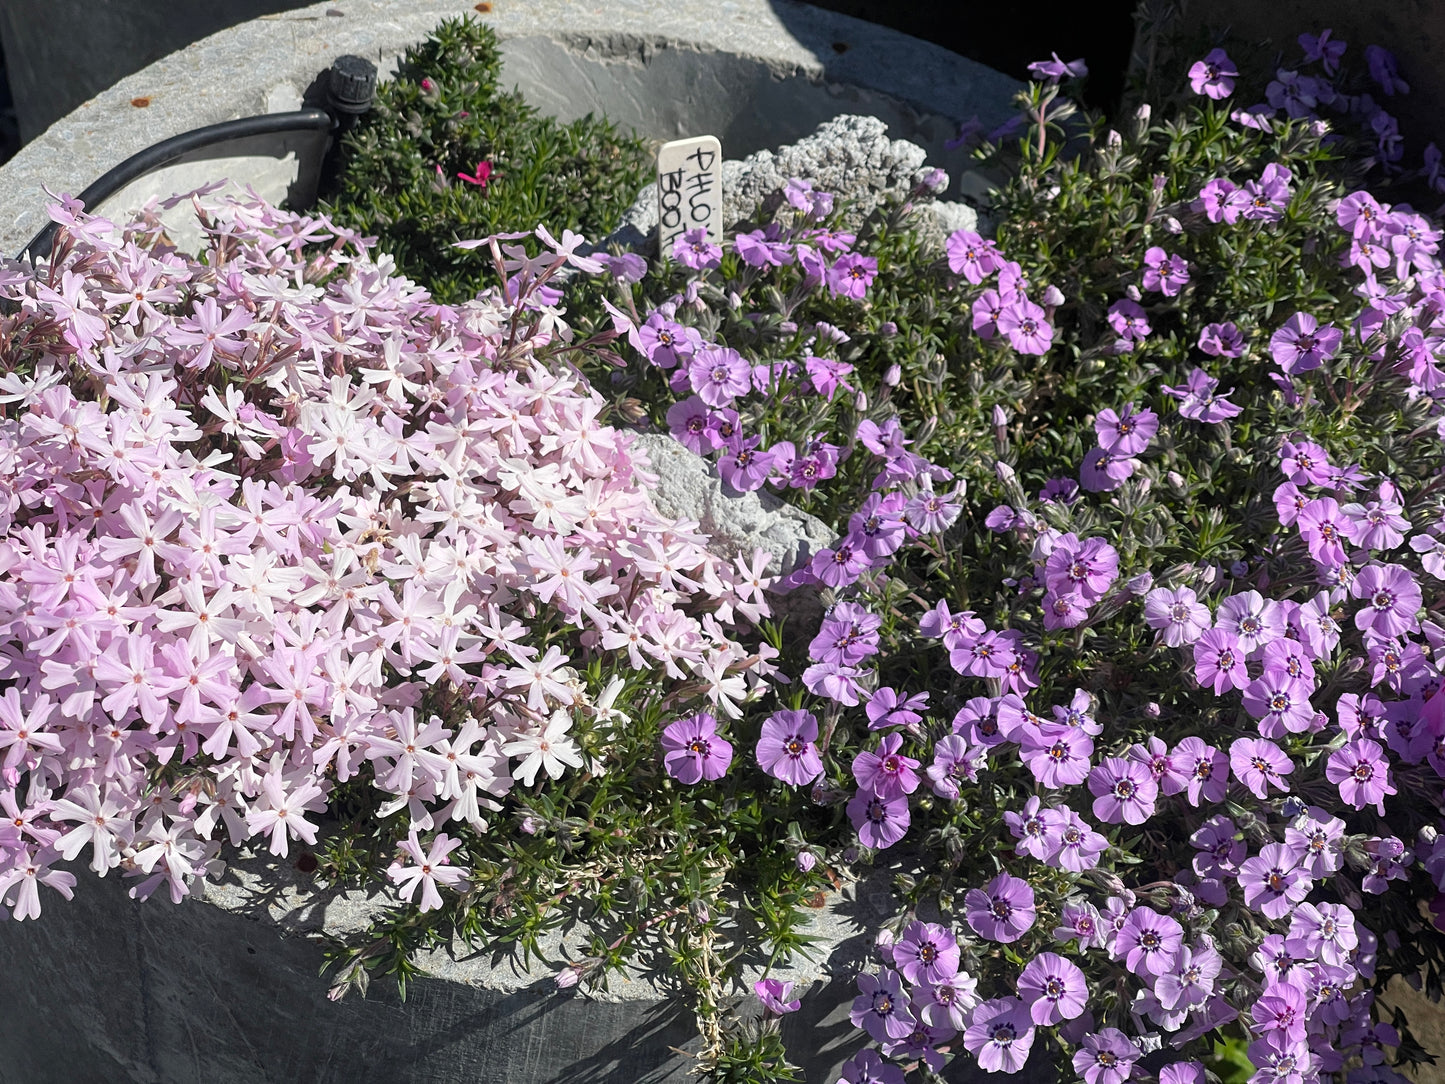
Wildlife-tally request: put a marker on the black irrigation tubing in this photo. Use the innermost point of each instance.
(170, 150)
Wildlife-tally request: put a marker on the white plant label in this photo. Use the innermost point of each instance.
(689, 190)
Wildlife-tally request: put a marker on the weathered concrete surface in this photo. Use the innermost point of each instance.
(756, 73)
(105, 990)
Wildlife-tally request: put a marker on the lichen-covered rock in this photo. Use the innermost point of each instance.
(850, 156)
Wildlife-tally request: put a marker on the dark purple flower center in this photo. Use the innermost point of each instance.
(1226, 659)
(795, 746)
(1149, 940)
(877, 811)
(699, 747)
(1364, 772)
(882, 1003)
(1124, 788)
(1000, 908)
(927, 953)
(1383, 600)
(1054, 989)
(1003, 1034)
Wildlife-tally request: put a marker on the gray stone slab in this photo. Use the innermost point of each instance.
(756, 73)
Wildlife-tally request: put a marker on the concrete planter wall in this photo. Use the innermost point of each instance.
(227, 990)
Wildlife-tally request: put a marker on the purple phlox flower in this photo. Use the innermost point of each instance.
(953, 628)
(1222, 340)
(1177, 614)
(666, 342)
(719, 374)
(1164, 272)
(1087, 568)
(877, 527)
(1280, 703)
(1057, 755)
(773, 995)
(1079, 846)
(816, 462)
(971, 256)
(1323, 931)
(1103, 472)
(839, 567)
(756, 249)
(1431, 547)
(978, 721)
(1362, 773)
(887, 708)
(1003, 910)
(1054, 69)
(1289, 657)
(1296, 94)
(851, 274)
(1123, 790)
(836, 681)
(1390, 862)
(1395, 664)
(954, 761)
(1128, 320)
(1385, 71)
(1053, 988)
(1268, 196)
(1392, 599)
(927, 953)
(1221, 849)
(847, 635)
(786, 748)
(866, 1067)
(1149, 942)
(1273, 882)
(921, 1046)
(1076, 714)
(1206, 768)
(832, 241)
(1190, 982)
(1182, 1072)
(1219, 661)
(1361, 716)
(1289, 502)
(1257, 116)
(1221, 200)
(1128, 433)
(1259, 764)
(1302, 344)
(1281, 1011)
(1171, 776)
(881, 1008)
(827, 375)
(1253, 619)
(1320, 47)
(1059, 491)
(687, 420)
(1081, 922)
(987, 308)
(880, 822)
(693, 751)
(1324, 527)
(1281, 1062)
(933, 513)
(1064, 611)
(745, 469)
(886, 773)
(1036, 828)
(1000, 1035)
(1214, 75)
(693, 250)
(1200, 399)
(1105, 1057)
(1026, 326)
(947, 1002)
(1361, 214)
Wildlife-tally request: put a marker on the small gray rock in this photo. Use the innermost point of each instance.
(850, 156)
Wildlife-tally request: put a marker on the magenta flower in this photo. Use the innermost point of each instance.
(1128, 433)
(1280, 703)
(1392, 600)
(1214, 75)
(880, 822)
(886, 708)
(1222, 200)
(1201, 400)
(1079, 846)
(693, 751)
(1123, 790)
(1259, 764)
(1036, 828)
(719, 374)
(785, 749)
(1026, 326)
(1103, 472)
(1128, 320)
(1177, 614)
(987, 308)
(1377, 525)
(1164, 272)
(1088, 568)
(926, 954)
(1384, 70)
(886, 773)
(1149, 942)
(1000, 1035)
(1001, 911)
(1253, 619)
(1053, 988)
(1206, 767)
(1323, 931)
(850, 275)
(971, 256)
(866, 1067)
(1273, 882)
(954, 762)
(881, 1008)
(1054, 69)
(1362, 772)
(1319, 47)
(693, 250)
(1190, 982)
(1301, 344)
(1323, 527)
(1057, 755)
(773, 994)
(1105, 1057)
(1221, 849)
